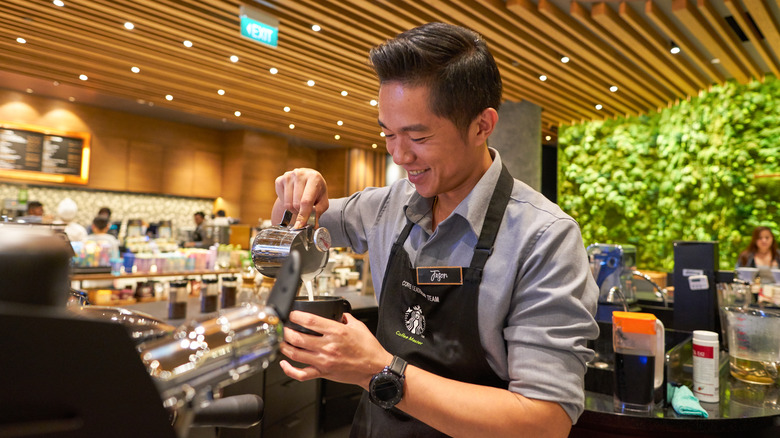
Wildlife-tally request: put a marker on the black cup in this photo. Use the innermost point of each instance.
(327, 307)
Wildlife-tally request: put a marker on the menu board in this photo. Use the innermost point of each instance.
(43, 155)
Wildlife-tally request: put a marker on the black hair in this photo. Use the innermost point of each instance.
(452, 61)
(201, 214)
(221, 213)
(104, 211)
(33, 204)
(99, 223)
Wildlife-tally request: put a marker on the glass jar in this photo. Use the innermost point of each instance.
(177, 299)
(229, 292)
(209, 295)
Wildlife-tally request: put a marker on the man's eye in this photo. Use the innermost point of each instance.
(420, 139)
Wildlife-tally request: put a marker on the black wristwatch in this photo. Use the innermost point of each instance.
(386, 388)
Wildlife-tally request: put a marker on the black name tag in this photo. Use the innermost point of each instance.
(440, 275)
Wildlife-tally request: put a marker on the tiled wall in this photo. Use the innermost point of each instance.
(151, 208)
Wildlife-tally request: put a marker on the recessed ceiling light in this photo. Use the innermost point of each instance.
(233, 58)
(598, 106)
(344, 93)
(547, 138)
(674, 50)
(565, 59)
(129, 26)
(373, 102)
(373, 145)
(72, 99)
(83, 77)
(135, 69)
(224, 120)
(310, 83)
(150, 103)
(187, 43)
(337, 137)
(381, 134)
(59, 3)
(221, 92)
(542, 78)
(140, 101)
(339, 123)
(613, 88)
(316, 27)
(274, 70)
(29, 90)
(56, 83)
(21, 40)
(237, 113)
(715, 60)
(292, 126)
(168, 97)
(286, 109)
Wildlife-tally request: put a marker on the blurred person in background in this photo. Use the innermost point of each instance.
(100, 227)
(761, 253)
(66, 212)
(34, 213)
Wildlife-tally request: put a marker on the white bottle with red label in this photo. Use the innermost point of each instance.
(706, 361)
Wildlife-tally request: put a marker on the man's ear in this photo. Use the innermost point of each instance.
(484, 124)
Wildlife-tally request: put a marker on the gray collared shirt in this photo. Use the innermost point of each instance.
(537, 297)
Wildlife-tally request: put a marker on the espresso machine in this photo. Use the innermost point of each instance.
(76, 371)
(613, 267)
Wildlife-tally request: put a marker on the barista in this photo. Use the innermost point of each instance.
(496, 347)
(199, 236)
(761, 253)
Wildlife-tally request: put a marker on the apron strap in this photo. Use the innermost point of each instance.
(493, 217)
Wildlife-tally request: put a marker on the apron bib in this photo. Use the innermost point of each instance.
(428, 316)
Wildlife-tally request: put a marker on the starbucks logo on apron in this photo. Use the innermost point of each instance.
(415, 321)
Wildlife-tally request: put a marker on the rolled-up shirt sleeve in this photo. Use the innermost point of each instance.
(551, 319)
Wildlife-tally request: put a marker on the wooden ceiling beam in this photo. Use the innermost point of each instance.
(579, 52)
(739, 16)
(629, 43)
(686, 46)
(767, 23)
(522, 42)
(652, 90)
(695, 22)
(661, 46)
(729, 37)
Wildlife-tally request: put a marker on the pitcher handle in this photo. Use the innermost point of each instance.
(660, 354)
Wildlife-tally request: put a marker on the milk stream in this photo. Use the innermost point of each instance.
(307, 284)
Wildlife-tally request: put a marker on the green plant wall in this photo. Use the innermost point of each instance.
(689, 172)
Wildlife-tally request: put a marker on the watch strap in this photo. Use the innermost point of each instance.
(397, 366)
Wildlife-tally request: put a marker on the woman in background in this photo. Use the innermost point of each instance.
(761, 253)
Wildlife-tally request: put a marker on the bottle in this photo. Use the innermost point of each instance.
(177, 300)
(229, 292)
(706, 361)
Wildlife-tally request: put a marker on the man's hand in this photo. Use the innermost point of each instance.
(346, 352)
(300, 191)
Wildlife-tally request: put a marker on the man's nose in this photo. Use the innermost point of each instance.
(401, 152)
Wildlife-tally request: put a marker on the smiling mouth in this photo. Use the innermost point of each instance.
(416, 172)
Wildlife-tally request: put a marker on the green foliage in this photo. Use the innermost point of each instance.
(684, 173)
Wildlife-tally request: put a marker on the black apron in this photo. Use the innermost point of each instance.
(433, 326)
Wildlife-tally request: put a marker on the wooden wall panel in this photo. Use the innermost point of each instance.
(108, 163)
(207, 174)
(144, 168)
(365, 169)
(299, 156)
(264, 158)
(178, 174)
(332, 164)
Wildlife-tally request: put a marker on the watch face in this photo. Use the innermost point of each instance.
(386, 390)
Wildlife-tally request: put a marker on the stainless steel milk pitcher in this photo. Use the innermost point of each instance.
(273, 245)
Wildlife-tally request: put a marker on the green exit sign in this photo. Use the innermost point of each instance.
(259, 26)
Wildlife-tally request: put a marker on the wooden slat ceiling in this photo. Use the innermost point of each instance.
(623, 44)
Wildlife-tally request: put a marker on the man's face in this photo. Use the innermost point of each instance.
(430, 148)
(36, 211)
(198, 219)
